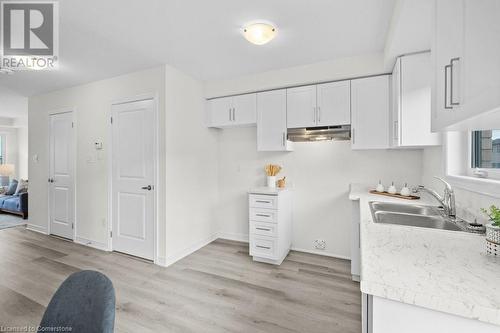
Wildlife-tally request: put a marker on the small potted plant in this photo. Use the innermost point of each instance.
(493, 228)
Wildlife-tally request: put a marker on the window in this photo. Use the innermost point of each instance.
(2, 149)
(486, 149)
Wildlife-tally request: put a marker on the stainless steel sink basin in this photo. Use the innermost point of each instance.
(423, 221)
(408, 209)
(413, 215)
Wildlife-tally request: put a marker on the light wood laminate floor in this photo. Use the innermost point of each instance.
(216, 289)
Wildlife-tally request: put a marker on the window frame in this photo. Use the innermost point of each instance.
(3, 140)
(492, 173)
(457, 166)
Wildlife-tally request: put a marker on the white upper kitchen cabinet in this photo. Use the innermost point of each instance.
(326, 104)
(220, 112)
(301, 106)
(466, 52)
(370, 112)
(240, 110)
(271, 121)
(411, 109)
(334, 103)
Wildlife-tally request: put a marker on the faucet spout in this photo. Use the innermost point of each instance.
(447, 200)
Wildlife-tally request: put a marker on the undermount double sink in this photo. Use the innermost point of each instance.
(413, 215)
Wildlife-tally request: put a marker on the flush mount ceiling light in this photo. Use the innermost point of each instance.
(259, 32)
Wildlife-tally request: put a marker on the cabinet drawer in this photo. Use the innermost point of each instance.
(263, 201)
(263, 229)
(263, 215)
(263, 247)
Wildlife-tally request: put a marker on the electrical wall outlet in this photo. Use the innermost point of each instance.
(319, 244)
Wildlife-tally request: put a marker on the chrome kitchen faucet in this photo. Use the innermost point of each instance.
(447, 200)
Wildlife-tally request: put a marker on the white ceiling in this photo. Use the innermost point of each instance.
(410, 29)
(100, 39)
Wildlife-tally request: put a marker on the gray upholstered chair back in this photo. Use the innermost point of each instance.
(85, 301)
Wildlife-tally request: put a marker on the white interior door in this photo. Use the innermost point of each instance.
(133, 180)
(61, 175)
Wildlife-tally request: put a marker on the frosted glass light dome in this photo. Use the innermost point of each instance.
(259, 33)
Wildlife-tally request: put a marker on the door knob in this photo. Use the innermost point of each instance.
(147, 187)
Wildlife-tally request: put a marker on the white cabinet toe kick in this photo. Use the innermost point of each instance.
(270, 223)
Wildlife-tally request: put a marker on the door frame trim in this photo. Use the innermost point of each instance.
(71, 110)
(141, 97)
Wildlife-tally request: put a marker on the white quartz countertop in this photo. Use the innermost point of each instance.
(440, 270)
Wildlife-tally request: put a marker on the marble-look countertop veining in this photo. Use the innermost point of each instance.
(440, 270)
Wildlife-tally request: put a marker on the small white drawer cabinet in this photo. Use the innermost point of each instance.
(270, 221)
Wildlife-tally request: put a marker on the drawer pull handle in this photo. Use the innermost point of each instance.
(262, 201)
(263, 215)
(264, 229)
(263, 247)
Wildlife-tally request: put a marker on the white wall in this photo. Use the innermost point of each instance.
(338, 69)
(191, 171)
(91, 103)
(320, 173)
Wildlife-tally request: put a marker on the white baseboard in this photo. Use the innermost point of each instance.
(178, 255)
(91, 243)
(161, 261)
(321, 253)
(233, 236)
(37, 228)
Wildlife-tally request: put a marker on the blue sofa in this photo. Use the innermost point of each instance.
(15, 204)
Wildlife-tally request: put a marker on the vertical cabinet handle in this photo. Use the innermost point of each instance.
(452, 62)
(283, 139)
(396, 130)
(230, 115)
(234, 114)
(447, 69)
(353, 136)
(319, 114)
(314, 114)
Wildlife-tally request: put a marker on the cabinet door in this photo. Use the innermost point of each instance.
(415, 101)
(394, 128)
(245, 109)
(481, 58)
(447, 46)
(220, 112)
(334, 103)
(271, 121)
(370, 112)
(301, 107)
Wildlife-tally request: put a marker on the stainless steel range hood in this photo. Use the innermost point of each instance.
(336, 133)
